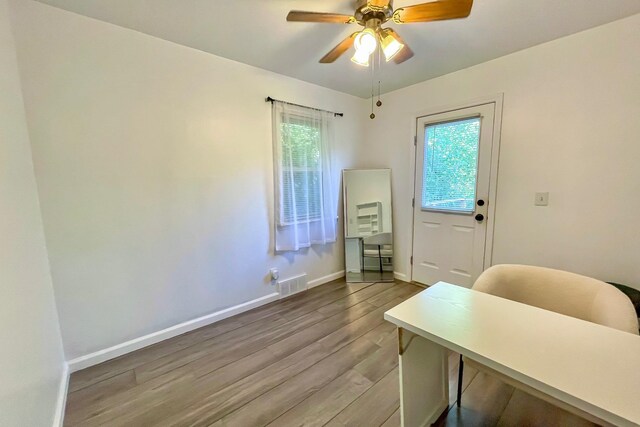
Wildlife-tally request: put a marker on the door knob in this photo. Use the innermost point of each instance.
(479, 217)
(480, 202)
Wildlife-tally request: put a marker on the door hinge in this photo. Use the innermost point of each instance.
(411, 260)
(413, 202)
(415, 140)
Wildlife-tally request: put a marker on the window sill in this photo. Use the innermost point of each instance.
(306, 221)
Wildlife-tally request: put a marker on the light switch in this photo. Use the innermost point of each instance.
(542, 199)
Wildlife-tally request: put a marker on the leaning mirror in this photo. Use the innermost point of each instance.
(368, 233)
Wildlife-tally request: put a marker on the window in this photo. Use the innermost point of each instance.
(305, 212)
(301, 171)
(451, 165)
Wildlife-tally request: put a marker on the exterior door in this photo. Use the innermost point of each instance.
(453, 167)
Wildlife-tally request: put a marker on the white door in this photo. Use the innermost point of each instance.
(453, 168)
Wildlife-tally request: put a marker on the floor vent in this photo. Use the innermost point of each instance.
(292, 286)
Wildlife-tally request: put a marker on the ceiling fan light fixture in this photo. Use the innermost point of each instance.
(361, 57)
(390, 45)
(366, 41)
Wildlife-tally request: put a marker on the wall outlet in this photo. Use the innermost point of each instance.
(275, 274)
(542, 199)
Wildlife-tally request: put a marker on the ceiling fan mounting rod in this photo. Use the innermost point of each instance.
(373, 23)
(366, 11)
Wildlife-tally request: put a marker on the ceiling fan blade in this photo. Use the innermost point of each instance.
(337, 51)
(405, 54)
(327, 18)
(434, 11)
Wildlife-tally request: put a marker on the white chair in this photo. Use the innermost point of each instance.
(559, 291)
(377, 246)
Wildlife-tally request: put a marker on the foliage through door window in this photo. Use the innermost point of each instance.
(451, 165)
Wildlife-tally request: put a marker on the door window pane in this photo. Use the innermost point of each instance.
(451, 165)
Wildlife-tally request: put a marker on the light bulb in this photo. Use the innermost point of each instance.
(361, 58)
(390, 45)
(366, 41)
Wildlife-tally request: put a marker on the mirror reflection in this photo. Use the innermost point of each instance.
(368, 225)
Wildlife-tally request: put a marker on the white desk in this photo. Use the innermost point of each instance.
(588, 366)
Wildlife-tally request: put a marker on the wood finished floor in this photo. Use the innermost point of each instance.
(323, 357)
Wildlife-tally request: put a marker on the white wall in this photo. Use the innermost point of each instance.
(31, 358)
(154, 165)
(570, 127)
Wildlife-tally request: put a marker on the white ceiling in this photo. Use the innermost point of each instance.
(255, 32)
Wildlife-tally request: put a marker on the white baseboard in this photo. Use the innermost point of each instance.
(400, 276)
(61, 402)
(325, 279)
(100, 356)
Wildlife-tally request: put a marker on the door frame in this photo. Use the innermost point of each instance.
(496, 99)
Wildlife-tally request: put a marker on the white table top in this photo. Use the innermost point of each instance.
(589, 366)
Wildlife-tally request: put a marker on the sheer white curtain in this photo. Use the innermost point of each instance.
(305, 202)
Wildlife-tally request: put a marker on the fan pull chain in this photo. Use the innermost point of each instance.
(373, 66)
(379, 103)
(379, 52)
(372, 115)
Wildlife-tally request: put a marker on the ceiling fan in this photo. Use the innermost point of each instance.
(372, 14)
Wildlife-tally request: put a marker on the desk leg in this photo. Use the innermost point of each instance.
(424, 382)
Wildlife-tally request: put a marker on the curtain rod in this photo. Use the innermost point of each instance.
(272, 100)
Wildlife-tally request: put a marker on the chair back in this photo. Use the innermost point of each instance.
(562, 292)
(378, 239)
